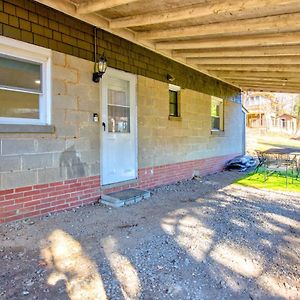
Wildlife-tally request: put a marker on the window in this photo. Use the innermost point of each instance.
(174, 95)
(24, 83)
(217, 114)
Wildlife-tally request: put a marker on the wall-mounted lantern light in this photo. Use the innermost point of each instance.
(100, 65)
(99, 68)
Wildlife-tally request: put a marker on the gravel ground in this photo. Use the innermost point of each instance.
(199, 239)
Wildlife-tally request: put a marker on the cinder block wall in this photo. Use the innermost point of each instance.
(162, 141)
(73, 151)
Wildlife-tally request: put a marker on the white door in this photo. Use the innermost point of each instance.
(119, 141)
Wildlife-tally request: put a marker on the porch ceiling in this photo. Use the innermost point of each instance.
(252, 44)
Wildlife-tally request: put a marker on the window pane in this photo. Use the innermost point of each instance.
(215, 123)
(118, 119)
(215, 111)
(173, 97)
(20, 74)
(173, 110)
(117, 98)
(173, 103)
(19, 105)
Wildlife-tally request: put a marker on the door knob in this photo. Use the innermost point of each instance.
(104, 125)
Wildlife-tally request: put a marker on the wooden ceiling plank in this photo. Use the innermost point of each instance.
(257, 74)
(275, 89)
(252, 68)
(264, 25)
(241, 41)
(231, 9)
(284, 60)
(92, 6)
(276, 51)
(265, 80)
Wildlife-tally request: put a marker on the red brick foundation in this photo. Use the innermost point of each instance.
(37, 200)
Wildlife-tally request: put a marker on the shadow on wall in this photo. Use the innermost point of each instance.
(72, 163)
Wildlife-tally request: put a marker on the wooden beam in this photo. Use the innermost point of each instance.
(230, 10)
(239, 52)
(252, 68)
(262, 74)
(241, 41)
(275, 89)
(265, 25)
(97, 5)
(266, 80)
(283, 60)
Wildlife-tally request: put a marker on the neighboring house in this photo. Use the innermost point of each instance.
(258, 108)
(285, 123)
(261, 115)
(65, 139)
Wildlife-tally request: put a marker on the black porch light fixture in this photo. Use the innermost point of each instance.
(100, 65)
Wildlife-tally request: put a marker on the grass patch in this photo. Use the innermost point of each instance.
(275, 182)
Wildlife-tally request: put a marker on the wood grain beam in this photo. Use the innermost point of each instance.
(240, 52)
(264, 25)
(283, 60)
(91, 6)
(231, 10)
(262, 74)
(252, 68)
(241, 41)
(271, 88)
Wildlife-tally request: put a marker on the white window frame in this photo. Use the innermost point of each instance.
(218, 101)
(20, 50)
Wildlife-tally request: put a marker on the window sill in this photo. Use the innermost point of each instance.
(24, 128)
(172, 118)
(217, 132)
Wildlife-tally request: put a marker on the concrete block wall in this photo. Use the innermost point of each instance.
(163, 141)
(73, 151)
(41, 173)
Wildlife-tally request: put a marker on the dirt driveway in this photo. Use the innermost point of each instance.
(200, 239)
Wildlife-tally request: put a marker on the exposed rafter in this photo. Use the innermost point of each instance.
(284, 60)
(273, 24)
(257, 74)
(91, 6)
(253, 67)
(243, 41)
(273, 51)
(231, 10)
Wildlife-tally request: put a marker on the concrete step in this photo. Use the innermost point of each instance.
(124, 198)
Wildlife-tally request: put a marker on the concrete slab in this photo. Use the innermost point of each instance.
(126, 197)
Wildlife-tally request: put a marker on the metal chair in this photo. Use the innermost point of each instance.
(280, 163)
(261, 160)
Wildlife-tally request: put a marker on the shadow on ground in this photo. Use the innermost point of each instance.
(200, 239)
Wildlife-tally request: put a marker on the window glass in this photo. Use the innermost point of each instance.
(173, 103)
(118, 111)
(21, 75)
(14, 104)
(217, 114)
